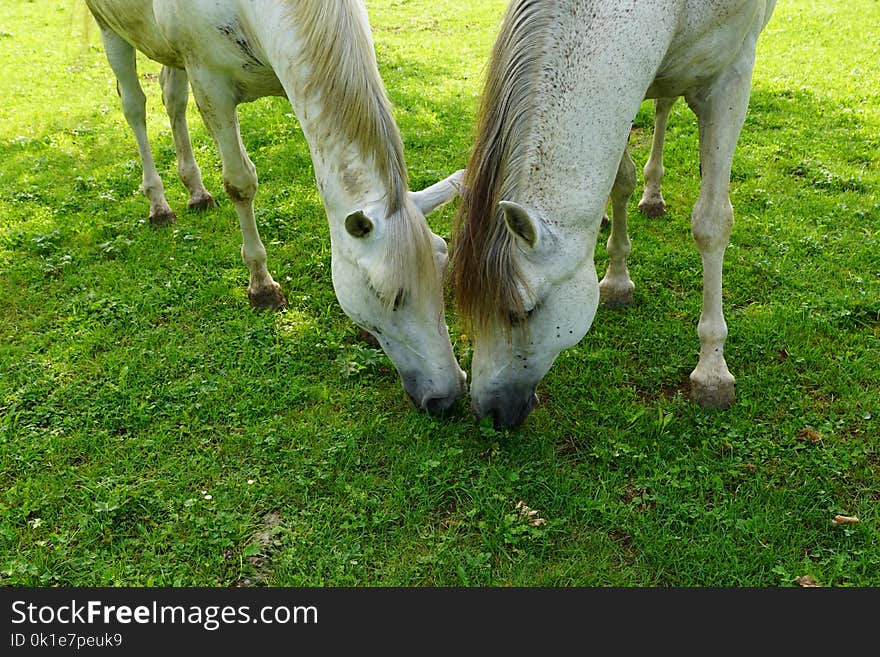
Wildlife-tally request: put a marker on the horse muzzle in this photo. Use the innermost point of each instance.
(508, 409)
(436, 400)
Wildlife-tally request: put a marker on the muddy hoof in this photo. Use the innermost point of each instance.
(267, 298)
(163, 218)
(719, 394)
(200, 203)
(652, 208)
(615, 295)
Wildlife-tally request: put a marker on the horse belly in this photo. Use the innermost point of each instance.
(217, 37)
(134, 21)
(707, 43)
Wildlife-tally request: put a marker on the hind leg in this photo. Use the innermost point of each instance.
(122, 58)
(616, 288)
(175, 95)
(652, 203)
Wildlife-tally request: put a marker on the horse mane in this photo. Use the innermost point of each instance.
(488, 285)
(338, 51)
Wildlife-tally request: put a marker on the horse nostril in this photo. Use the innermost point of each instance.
(437, 405)
(514, 415)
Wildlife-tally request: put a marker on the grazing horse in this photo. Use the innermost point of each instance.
(565, 81)
(387, 265)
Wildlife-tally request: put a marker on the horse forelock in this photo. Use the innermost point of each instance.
(338, 51)
(408, 273)
(487, 282)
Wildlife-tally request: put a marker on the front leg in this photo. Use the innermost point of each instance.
(720, 110)
(214, 97)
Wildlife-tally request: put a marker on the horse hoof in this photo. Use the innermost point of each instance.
(653, 208)
(163, 218)
(716, 394)
(267, 298)
(616, 295)
(605, 222)
(205, 202)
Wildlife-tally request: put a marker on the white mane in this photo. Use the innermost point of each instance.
(338, 50)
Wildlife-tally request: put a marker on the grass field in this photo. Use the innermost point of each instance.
(156, 431)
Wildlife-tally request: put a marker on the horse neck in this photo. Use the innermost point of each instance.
(587, 91)
(322, 53)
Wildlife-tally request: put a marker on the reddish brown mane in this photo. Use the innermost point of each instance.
(488, 285)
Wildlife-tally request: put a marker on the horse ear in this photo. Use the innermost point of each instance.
(457, 180)
(358, 224)
(431, 198)
(520, 222)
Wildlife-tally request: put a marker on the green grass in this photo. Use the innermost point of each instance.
(135, 382)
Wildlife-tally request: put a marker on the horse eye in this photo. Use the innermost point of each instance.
(399, 299)
(517, 318)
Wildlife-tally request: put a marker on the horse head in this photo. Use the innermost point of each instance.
(388, 274)
(545, 302)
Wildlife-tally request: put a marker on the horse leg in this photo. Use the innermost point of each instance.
(122, 58)
(175, 95)
(652, 203)
(720, 110)
(215, 99)
(616, 288)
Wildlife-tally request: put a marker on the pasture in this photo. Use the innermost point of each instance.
(156, 431)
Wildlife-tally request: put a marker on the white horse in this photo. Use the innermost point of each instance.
(565, 80)
(387, 265)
